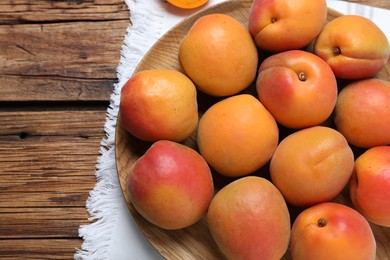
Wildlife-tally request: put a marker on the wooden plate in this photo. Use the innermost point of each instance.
(195, 242)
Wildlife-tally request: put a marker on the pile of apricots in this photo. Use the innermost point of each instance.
(296, 97)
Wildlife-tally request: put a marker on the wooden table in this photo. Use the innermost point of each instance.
(58, 64)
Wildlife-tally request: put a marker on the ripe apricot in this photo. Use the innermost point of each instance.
(219, 55)
(159, 104)
(312, 165)
(187, 4)
(362, 112)
(370, 185)
(249, 220)
(237, 135)
(280, 25)
(170, 185)
(353, 46)
(331, 231)
(297, 87)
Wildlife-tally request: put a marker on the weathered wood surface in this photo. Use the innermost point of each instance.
(58, 64)
(59, 51)
(40, 248)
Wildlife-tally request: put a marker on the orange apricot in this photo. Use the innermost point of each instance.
(237, 135)
(312, 165)
(187, 4)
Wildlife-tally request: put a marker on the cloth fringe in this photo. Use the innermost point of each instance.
(103, 202)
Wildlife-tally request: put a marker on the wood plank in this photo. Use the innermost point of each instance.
(65, 50)
(61, 50)
(47, 169)
(18, 11)
(69, 50)
(50, 173)
(86, 124)
(48, 158)
(51, 88)
(60, 61)
(41, 249)
(19, 223)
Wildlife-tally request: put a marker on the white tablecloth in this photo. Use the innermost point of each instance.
(114, 235)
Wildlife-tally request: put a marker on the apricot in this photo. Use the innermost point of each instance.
(171, 185)
(237, 135)
(219, 55)
(159, 104)
(297, 87)
(353, 46)
(187, 4)
(249, 219)
(362, 113)
(331, 231)
(281, 25)
(370, 185)
(312, 165)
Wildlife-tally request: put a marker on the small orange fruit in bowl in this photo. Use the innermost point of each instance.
(187, 4)
(312, 165)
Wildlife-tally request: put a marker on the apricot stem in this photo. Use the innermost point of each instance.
(302, 76)
(336, 50)
(273, 20)
(322, 222)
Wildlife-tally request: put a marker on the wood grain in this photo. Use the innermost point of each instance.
(58, 63)
(63, 222)
(47, 161)
(195, 242)
(46, 55)
(43, 11)
(38, 249)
